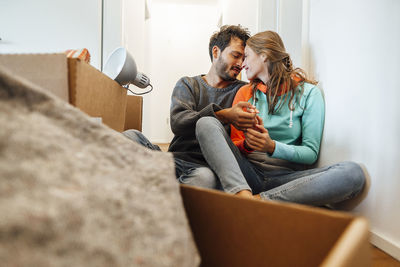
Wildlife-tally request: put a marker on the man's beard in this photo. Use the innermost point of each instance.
(223, 71)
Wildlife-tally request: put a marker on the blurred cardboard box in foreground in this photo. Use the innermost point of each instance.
(234, 231)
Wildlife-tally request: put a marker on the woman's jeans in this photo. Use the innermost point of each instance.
(320, 186)
(189, 172)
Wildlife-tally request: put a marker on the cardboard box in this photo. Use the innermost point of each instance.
(96, 94)
(78, 83)
(134, 109)
(234, 231)
(46, 70)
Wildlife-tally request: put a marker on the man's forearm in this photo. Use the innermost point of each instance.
(223, 115)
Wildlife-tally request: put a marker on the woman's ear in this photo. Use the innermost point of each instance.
(263, 57)
(215, 52)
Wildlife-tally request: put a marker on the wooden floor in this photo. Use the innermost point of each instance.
(379, 258)
(164, 147)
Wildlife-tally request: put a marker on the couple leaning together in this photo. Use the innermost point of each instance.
(254, 139)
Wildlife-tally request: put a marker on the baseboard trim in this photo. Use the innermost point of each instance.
(385, 245)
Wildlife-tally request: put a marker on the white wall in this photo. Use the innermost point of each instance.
(112, 27)
(267, 15)
(354, 52)
(45, 26)
(134, 30)
(178, 40)
(289, 27)
(239, 12)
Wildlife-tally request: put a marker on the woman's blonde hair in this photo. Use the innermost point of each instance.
(280, 68)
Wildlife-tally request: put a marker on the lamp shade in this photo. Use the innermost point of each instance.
(121, 67)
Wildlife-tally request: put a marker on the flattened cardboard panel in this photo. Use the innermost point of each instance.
(96, 94)
(48, 71)
(133, 116)
(233, 231)
(353, 248)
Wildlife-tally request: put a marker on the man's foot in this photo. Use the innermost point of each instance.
(245, 194)
(257, 196)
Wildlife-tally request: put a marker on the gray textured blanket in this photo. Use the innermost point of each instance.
(76, 193)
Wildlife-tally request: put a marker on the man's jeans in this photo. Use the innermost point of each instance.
(186, 172)
(320, 186)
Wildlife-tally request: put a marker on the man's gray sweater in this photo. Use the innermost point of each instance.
(192, 99)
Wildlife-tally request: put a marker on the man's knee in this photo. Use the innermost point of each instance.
(206, 124)
(201, 177)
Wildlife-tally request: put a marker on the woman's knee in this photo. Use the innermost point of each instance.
(353, 172)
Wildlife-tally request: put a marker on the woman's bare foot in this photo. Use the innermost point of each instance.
(244, 193)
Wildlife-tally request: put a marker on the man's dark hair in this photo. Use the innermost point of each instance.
(223, 37)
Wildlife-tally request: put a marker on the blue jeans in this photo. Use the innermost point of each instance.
(319, 186)
(186, 172)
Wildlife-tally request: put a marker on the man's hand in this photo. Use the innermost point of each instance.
(242, 115)
(257, 138)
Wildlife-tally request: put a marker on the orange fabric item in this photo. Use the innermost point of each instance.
(82, 54)
(244, 94)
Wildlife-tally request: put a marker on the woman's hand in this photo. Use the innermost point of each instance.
(257, 138)
(242, 115)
